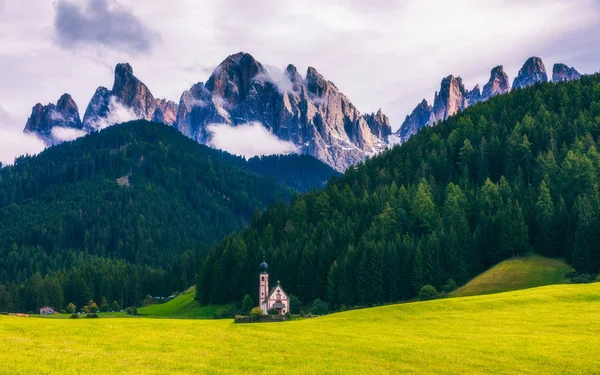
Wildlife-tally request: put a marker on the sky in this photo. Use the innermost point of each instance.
(380, 53)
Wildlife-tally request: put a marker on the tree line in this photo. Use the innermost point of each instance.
(516, 174)
(127, 212)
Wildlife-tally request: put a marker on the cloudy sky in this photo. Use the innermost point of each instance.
(380, 53)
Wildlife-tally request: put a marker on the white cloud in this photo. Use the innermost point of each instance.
(278, 78)
(117, 114)
(66, 134)
(15, 143)
(249, 140)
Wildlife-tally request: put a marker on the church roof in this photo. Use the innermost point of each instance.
(277, 287)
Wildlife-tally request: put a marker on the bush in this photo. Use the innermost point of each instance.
(104, 307)
(427, 293)
(115, 306)
(247, 304)
(571, 274)
(131, 310)
(74, 316)
(449, 286)
(256, 313)
(584, 278)
(94, 309)
(320, 307)
(226, 314)
(295, 304)
(70, 309)
(273, 312)
(91, 316)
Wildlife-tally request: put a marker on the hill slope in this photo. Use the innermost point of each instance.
(183, 306)
(548, 330)
(127, 211)
(517, 173)
(520, 273)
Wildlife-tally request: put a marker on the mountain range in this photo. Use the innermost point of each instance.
(310, 111)
(454, 97)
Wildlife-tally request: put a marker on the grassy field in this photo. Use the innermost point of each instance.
(183, 306)
(514, 274)
(547, 330)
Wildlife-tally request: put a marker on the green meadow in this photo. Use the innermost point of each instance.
(183, 306)
(527, 271)
(547, 330)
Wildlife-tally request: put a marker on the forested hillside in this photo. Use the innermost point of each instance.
(505, 177)
(126, 212)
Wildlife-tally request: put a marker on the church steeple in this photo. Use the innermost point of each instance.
(264, 266)
(263, 289)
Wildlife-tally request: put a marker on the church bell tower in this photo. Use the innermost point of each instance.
(263, 289)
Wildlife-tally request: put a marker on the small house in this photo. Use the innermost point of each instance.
(47, 310)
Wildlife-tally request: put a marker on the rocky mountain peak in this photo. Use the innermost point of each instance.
(97, 109)
(133, 93)
(532, 72)
(295, 78)
(379, 124)
(66, 103)
(562, 72)
(474, 96)
(166, 112)
(315, 82)
(233, 78)
(420, 117)
(44, 118)
(498, 83)
(450, 99)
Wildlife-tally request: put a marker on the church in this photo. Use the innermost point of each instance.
(275, 298)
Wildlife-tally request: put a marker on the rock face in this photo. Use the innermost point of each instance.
(129, 99)
(166, 112)
(133, 93)
(420, 117)
(379, 124)
(450, 99)
(312, 113)
(453, 97)
(497, 85)
(474, 96)
(532, 72)
(97, 110)
(561, 72)
(44, 119)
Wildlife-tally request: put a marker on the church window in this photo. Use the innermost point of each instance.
(262, 278)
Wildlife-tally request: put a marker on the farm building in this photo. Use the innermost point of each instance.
(47, 310)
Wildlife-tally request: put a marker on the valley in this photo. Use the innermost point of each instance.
(550, 330)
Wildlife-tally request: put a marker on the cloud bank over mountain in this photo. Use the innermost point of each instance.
(248, 140)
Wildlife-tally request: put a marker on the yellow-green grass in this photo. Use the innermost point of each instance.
(528, 271)
(546, 330)
(183, 306)
(82, 316)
